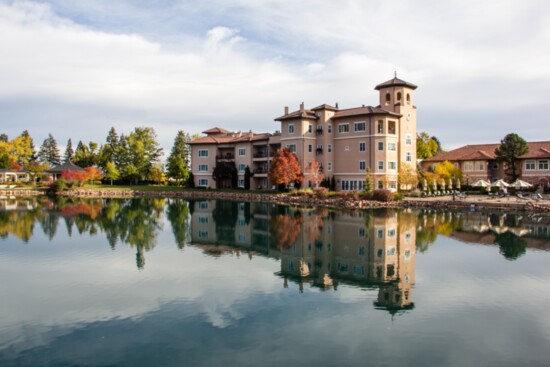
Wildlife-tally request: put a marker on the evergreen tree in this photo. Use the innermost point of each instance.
(510, 149)
(109, 151)
(178, 162)
(49, 153)
(69, 152)
(32, 157)
(247, 176)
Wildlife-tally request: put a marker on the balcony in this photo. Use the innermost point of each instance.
(260, 170)
(259, 155)
(319, 131)
(225, 157)
(319, 151)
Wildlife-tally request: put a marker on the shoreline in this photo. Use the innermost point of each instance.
(474, 202)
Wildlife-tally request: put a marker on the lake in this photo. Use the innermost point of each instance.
(170, 282)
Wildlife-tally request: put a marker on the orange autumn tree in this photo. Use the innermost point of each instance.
(285, 168)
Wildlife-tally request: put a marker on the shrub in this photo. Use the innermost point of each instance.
(382, 195)
(416, 193)
(320, 192)
(397, 196)
(366, 195)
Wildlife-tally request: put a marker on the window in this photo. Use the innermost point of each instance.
(480, 166)
(242, 167)
(329, 166)
(392, 147)
(468, 166)
(241, 182)
(388, 98)
(203, 204)
(380, 165)
(380, 233)
(543, 165)
(310, 148)
(310, 128)
(343, 128)
(391, 127)
(360, 126)
(399, 96)
(380, 184)
(380, 145)
(408, 98)
(203, 168)
(203, 220)
(241, 152)
(392, 166)
(392, 185)
(203, 153)
(291, 128)
(203, 182)
(329, 128)
(203, 234)
(362, 235)
(408, 157)
(408, 237)
(329, 148)
(292, 147)
(529, 165)
(408, 139)
(362, 165)
(380, 128)
(362, 146)
(241, 237)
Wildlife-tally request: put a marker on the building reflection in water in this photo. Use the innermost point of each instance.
(318, 247)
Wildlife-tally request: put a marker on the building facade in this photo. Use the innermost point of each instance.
(480, 162)
(345, 143)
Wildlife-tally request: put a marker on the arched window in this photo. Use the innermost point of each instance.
(399, 96)
(408, 98)
(388, 98)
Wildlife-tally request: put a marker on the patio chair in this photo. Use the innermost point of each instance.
(521, 197)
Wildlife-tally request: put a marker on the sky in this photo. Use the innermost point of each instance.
(77, 68)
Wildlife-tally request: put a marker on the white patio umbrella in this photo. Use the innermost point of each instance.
(434, 185)
(500, 184)
(424, 185)
(458, 184)
(450, 184)
(442, 184)
(481, 183)
(519, 184)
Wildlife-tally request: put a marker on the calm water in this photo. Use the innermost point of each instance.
(206, 283)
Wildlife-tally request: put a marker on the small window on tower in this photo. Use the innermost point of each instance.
(399, 96)
(388, 98)
(408, 98)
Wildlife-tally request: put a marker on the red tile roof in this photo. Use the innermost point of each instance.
(325, 107)
(216, 130)
(487, 152)
(368, 110)
(395, 83)
(230, 137)
(305, 114)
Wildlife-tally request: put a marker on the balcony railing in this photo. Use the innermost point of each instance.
(226, 156)
(260, 155)
(260, 170)
(319, 150)
(320, 131)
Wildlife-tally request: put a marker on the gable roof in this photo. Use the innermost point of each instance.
(325, 107)
(304, 114)
(216, 130)
(395, 82)
(67, 166)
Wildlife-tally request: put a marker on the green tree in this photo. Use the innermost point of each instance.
(111, 172)
(108, 152)
(144, 151)
(69, 152)
(510, 149)
(178, 161)
(427, 146)
(225, 175)
(247, 176)
(32, 157)
(49, 153)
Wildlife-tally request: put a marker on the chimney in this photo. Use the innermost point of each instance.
(336, 105)
(302, 106)
(286, 110)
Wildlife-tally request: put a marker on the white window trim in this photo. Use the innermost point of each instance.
(291, 127)
(203, 151)
(340, 128)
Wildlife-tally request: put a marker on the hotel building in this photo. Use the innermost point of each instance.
(344, 142)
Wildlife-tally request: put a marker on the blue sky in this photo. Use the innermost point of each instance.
(74, 69)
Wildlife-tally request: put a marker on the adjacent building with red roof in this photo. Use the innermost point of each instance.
(480, 162)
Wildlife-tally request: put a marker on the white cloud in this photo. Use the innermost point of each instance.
(236, 64)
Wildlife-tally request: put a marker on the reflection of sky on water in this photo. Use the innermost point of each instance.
(74, 301)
